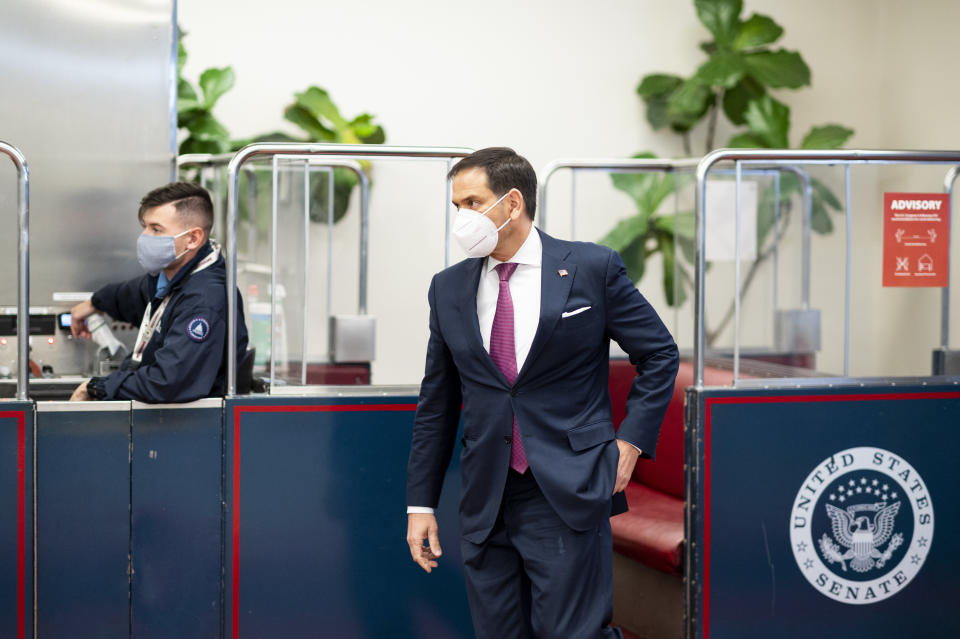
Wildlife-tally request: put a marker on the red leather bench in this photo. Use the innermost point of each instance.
(648, 539)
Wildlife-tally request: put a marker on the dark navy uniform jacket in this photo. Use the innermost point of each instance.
(186, 356)
(560, 398)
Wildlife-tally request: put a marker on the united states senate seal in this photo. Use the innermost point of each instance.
(861, 526)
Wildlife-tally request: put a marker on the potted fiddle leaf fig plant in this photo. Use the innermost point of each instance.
(738, 79)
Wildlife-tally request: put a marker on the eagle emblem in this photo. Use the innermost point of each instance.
(862, 535)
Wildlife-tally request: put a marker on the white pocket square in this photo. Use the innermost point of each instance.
(577, 311)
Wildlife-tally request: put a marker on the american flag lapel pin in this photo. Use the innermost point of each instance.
(563, 272)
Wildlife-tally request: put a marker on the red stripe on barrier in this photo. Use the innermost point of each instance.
(20, 416)
(235, 502)
(235, 571)
(781, 399)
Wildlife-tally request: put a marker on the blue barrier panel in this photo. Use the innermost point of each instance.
(814, 512)
(316, 524)
(176, 515)
(83, 519)
(16, 523)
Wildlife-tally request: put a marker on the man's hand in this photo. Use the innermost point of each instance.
(628, 459)
(78, 316)
(422, 526)
(80, 395)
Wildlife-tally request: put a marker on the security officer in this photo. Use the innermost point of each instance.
(180, 306)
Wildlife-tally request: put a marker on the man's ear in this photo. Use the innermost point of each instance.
(196, 238)
(516, 204)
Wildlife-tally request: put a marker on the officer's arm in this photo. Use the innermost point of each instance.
(637, 328)
(124, 301)
(186, 366)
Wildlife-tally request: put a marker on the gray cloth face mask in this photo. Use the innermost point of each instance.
(157, 252)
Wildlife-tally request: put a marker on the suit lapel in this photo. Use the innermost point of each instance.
(554, 291)
(468, 309)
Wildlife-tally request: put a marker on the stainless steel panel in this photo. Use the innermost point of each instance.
(87, 95)
(352, 338)
(796, 330)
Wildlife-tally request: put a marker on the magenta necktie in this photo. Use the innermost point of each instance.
(504, 354)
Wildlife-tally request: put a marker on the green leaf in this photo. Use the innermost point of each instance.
(635, 259)
(756, 31)
(187, 99)
(660, 189)
(779, 69)
(214, 83)
(196, 145)
(720, 17)
(682, 224)
(648, 190)
(655, 89)
(675, 295)
(627, 232)
(735, 99)
(636, 185)
(770, 120)
(658, 84)
(304, 119)
(318, 103)
(829, 136)
(185, 117)
(822, 191)
(367, 131)
(657, 112)
(688, 104)
(747, 141)
(724, 68)
(206, 127)
(181, 54)
(820, 220)
(343, 183)
(687, 248)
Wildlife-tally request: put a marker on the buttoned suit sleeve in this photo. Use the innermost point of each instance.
(437, 419)
(636, 327)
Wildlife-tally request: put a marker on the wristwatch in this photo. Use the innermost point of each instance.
(97, 388)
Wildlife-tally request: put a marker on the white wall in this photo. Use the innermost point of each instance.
(557, 79)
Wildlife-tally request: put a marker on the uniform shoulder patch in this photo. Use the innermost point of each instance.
(198, 328)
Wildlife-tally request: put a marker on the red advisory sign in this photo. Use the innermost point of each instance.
(916, 239)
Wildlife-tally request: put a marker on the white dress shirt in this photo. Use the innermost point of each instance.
(524, 291)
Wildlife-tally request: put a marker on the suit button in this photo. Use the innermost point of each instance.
(513, 392)
(507, 440)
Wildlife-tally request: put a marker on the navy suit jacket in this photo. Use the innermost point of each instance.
(560, 397)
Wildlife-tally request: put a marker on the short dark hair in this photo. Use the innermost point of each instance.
(505, 170)
(192, 202)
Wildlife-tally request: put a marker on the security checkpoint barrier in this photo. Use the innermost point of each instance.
(282, 514)
(810, 508)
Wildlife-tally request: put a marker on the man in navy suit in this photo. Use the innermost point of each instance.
(519, 338)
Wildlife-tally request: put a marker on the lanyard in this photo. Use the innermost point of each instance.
(151, 322)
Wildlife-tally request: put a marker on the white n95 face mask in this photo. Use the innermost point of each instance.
(475, 232)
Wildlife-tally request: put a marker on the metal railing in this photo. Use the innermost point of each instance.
(327, 163)
(685, 166)
(949, 182)
(342, 151)
(23, 267)
(205, 161)
(787, 157)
